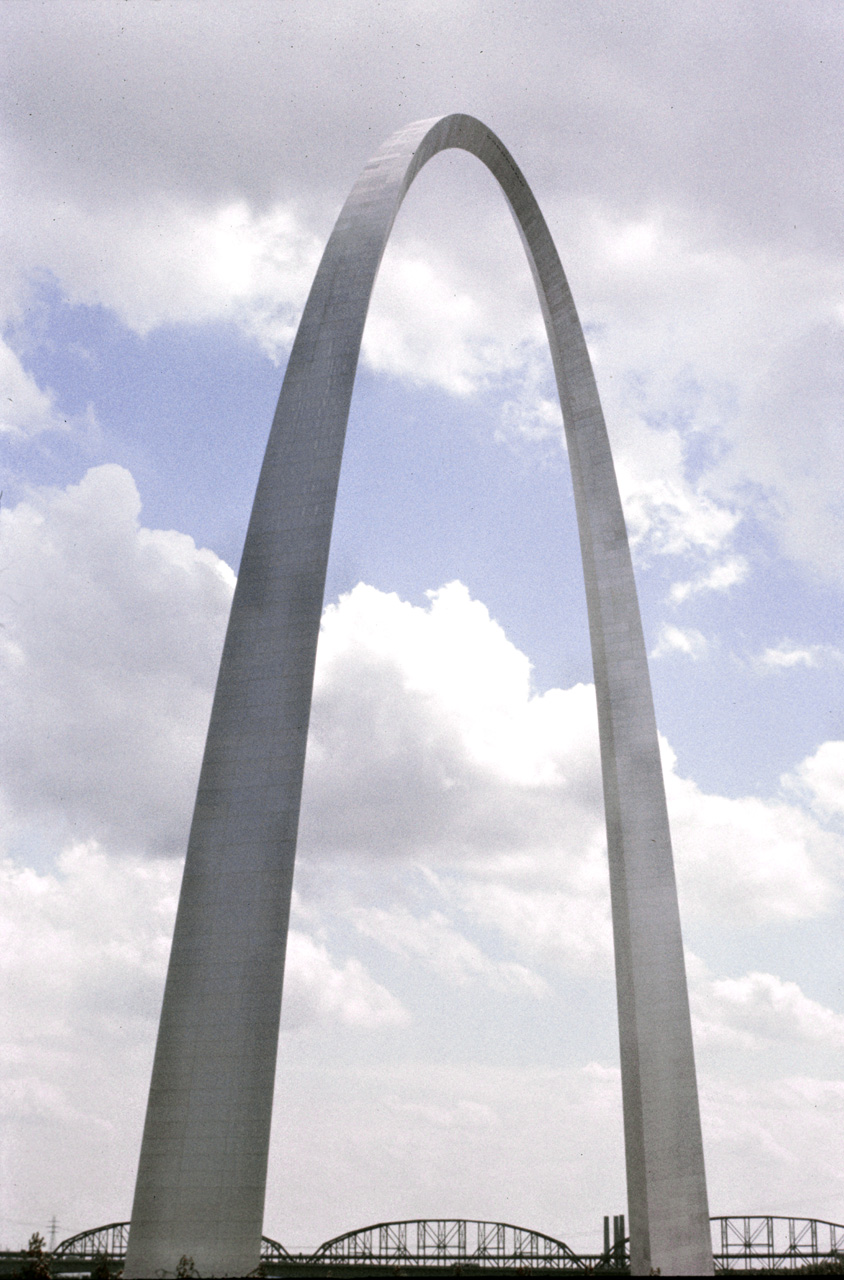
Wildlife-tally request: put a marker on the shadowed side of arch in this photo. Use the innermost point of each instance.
(202, 1174)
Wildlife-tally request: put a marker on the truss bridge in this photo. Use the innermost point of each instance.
(432, 1246)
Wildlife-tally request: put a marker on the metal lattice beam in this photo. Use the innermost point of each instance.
(742, 1243)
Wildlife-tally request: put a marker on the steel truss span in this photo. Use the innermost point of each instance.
(740, 1244)
(202, 1170)
(101, 1242)
(775, 1243)
(445, 1241)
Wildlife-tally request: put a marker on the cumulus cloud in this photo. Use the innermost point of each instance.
(821, 778)
(721, 577)
(700, 330)
(666, 513)
(779, 1136)
(99, 931)
(316, 988)
(532, 413)
(712, 285)
(676, 640)
(457, 1137)
(718, 349)
(756, 1009)
(429, 746)
(26, 408)
(499, 1142)
(432, 323)
(786, 655)
(172, 263)
(83, 958)
(430, 750)
(83, 954)
(434, 940)
(548, 908)
(745, 859)
(152, 171)
(100, 926)
(110, 645)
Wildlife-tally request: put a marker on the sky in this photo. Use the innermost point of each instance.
(449, 1043)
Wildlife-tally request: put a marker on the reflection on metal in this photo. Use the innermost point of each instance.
(775, 1243)
(761, 1243)
(202, 1170)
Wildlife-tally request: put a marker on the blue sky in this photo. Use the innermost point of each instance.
(449, 1028)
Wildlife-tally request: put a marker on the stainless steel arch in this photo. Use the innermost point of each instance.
(200, 1186)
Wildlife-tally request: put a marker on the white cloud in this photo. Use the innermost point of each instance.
(786, 655)
(100, 926)
(709, 275)
(434, 940)
(718, 350)
(531, 415)
(821, 778)
(25, 409)
(428, 747)
(454, 659)
(166, 262)
(495, 1142)
(428, 326)
(317, 989)
(756, 1010)
(720, 577)
(790, 656)
(774, 1143)
(548, 907)
(746, 860)
(85, 946)
(428, 744)
(110, 645)
(83, 953)
(675, 640)
(666, 513)
(439, 318)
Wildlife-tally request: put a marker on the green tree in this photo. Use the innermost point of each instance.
(36, 1263)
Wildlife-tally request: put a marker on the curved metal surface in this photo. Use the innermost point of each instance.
(200, 1187)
